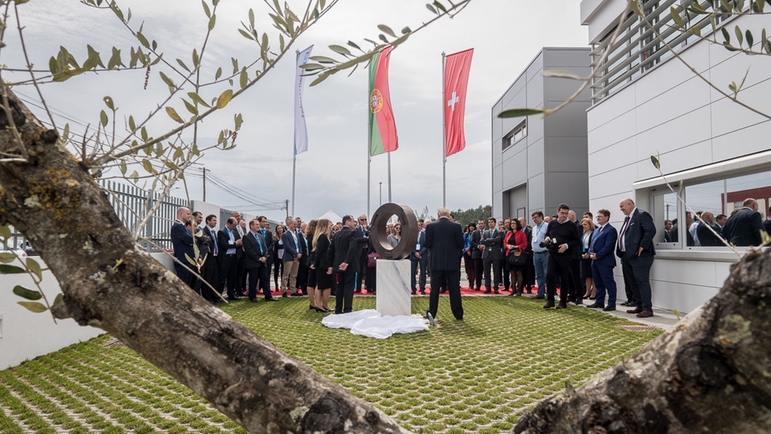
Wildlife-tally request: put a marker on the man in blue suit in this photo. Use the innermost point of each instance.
(182, 241)
(635, 248)
(256, 262)
(418, 257)
(603, 262)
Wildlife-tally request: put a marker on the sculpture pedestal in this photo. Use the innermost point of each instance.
(393, 287)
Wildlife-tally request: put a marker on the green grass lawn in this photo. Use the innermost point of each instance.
(471, 376)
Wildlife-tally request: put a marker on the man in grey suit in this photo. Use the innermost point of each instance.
(444, 239)
(492, 240)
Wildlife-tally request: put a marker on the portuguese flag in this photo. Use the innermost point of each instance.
(382, 128)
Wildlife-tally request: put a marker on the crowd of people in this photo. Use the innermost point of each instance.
(321, 258)
(742, 228)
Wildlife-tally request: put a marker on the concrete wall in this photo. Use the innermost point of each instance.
(672, 112)
(25, 335)
(551, 160)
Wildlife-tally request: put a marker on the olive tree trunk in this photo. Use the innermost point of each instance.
(111, 284)
(711, 374)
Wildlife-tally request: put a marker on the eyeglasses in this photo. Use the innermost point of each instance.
(362, 220)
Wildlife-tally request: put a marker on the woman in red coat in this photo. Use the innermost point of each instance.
(515, 244)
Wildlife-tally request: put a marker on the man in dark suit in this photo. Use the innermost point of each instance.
(445, 241)
(476, 255)
(492, 239)
(418, 257)
(228, 242)
(767, 221)
(210, 270)
(706, 236)
(743, 228)
(577, 290)
(603, 262)
(635, 248)
(267, 235)
(182, 241)
(256, 262)
(344, 257)
(363, 230)
(240, 269)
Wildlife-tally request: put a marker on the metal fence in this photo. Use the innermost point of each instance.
(132, 203)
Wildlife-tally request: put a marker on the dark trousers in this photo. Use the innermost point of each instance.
(450, 278)
(603, 280)
(496, 263)
(576, 291)
(227, 274)
(414, 263)
(638, 269)
(240, 274)
(371, 279)
(468, 263)
(277, 269)
(477, 283)
(506, 271)
(209, 272)
(363, 260)
(344, 282)
(558, 269)
(259, 278)
(629, 282)
(302, 278)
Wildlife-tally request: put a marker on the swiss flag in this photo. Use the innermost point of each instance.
(456, 73)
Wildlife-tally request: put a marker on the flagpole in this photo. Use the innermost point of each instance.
(369, 145)
(389, 178)
(444, 139)
(294, 147)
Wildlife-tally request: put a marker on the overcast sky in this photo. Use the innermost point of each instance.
(505, 34)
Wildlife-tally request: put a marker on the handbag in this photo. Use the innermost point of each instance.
(372, 259)
(516, 259)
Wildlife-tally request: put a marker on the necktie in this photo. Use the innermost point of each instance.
(214, 241)
(259, 242)
(621, 244)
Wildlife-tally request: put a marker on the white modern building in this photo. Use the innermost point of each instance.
(540, 162)
(715, 152)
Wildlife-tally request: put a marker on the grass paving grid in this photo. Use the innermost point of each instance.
(471, 376)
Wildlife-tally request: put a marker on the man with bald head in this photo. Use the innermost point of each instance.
(743, 228)
(182, 242)
(635, 248)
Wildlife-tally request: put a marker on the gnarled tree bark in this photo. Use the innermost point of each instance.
(711, 374)
(110, 283)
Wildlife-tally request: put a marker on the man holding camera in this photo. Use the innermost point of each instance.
(562, 238)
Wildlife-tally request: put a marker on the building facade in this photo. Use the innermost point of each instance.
(714, 152)
(540, 162)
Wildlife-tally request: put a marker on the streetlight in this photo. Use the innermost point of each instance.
(381, 193)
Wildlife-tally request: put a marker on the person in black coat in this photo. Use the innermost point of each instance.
(565, 239)
(182, 242)
(322, 265)
(706, 236)
(210, 269)
(743, 228)
(444, 239)
(344, 256)
(228, 242)
(256, 262)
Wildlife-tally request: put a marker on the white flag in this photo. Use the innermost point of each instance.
(300, 131)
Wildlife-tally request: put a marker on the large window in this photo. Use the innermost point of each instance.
(716, 201)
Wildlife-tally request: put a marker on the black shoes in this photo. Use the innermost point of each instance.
(549, 304)
(430, 319)
(609, 308)
(270, 299)
(595, 306)
(562, 305)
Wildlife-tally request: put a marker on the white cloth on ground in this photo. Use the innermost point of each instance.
(370, 323)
